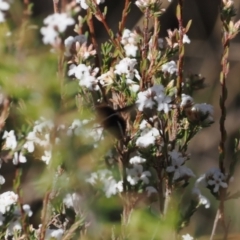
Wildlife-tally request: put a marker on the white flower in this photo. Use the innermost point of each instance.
(163, 102)
(110, 187)
(11, 141)
(84, 5)
(3, 7)
(137, 160)
(145, 100)
(215, 179)
(187, 237)
(148, 137)
(60, 21)
(126, 66)
(55, 24)
(186, 101)
(54, 234)
(177, 167)
(119, 186)
(130, 50)
(47, 156)
(154, 96)
(29, 144)
(82, 73)
(19, 158)
(2, 180)
(27, 210)
(129, 40)
(144, 3)
(6, 200)
(73, 201)
(150, 190)
(186, 39)
(136, 174)
(49, 35)
(170, 67)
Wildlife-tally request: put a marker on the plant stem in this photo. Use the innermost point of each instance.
(181, 50)
(56, 6)
(124, 17)
(93, 36)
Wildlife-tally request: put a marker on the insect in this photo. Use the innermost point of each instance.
(111, 120)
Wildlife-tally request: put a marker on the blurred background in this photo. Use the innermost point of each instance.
(203, 57)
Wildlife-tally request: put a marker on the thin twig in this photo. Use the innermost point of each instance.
(143, 84)
(181, 50)
(215, 224)
(124, 17)
(44, 215)
(56, 6)
(93, 36)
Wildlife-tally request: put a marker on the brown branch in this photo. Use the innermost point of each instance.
(44, 215)
(181, 50)
(93, 36)
(124, 17)
(56, 6)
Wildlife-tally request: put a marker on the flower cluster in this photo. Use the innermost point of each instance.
(56, 24)
(129, 41)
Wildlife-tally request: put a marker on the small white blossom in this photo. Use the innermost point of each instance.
(129, 41)
(187, 237)
(147, 138)
(11, 141)
(177, 167)
(29, 144)
(73, 201)
(4, 6)
(186, 39)
(170, 67)
(126, 66)
(145, 3)
(55, 234)
(84, 4)
(109, 185)
(154, 96)
(6, 200)
(27, 210)
(19, 158)
(47, 156)
(137, 160)
(136, 174)
(55, 24)
(83, 74)
(187, 101)
(145, 100)
(215, 179)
